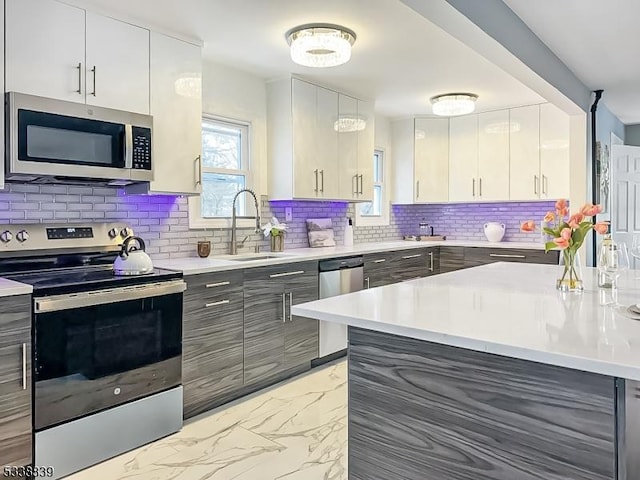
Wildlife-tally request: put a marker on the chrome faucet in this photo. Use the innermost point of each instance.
(234, 243)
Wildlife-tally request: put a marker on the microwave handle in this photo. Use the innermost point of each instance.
(128, 146)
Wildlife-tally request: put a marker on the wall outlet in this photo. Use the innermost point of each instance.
(288, 214)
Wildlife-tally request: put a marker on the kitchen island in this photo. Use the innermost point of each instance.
(490, 374)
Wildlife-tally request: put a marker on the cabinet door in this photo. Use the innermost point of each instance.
(264, 321)
(348, 148)
(463, 158)
(493, 155)
(431, 163)
(15, 388)
(305, 145)
(409, 264)
(524, 153)
(451, 259)
(554, 152)
(45, 49)
(475, 256)
(377, 269)
(212, 348)
(301, 334)
(433, 261)
(177, 115)
(326, 155)
(117, 67)
(366, 145)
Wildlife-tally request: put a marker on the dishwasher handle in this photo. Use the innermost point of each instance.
(340, 264)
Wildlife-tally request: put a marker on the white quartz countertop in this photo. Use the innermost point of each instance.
(9, 288)
(196, 265)
(507, 309)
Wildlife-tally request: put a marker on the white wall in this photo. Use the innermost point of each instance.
(237, 95)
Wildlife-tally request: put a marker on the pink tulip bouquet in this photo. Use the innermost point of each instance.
(568, 233)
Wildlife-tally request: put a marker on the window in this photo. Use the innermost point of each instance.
(376, 212)
(225, 167)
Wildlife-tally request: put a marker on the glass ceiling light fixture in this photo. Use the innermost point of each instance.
(320, 45)
(452, 104)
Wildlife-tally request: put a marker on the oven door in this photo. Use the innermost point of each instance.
(96, 350)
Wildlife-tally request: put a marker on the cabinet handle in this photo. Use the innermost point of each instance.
(322, 181)
(506, 255)
(290, 305)
(380, 260)
(544, 184)
(480, 186)
(535, 185)
(219, 284)
(198, 164)
(79, 67)
(354, 189)
(284, 308)
(286, 274)
(368, 283)
(316, 173)
(406, 257)
(213, 304)
(93, 70)
(24, 366)
(473, 186)
(361, 184)
(431, 261)
(417, 188)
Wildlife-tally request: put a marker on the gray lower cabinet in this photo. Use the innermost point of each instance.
(274, 340)
(451, 259)
(377, 269)
(474, 256)
(391, 267)
(212, 339)
(15, 381)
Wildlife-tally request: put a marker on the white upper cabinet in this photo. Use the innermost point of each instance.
(177, 115)
(493, 156)
(431, 166)
(117, 67)
(524, 146)
(45, 49)
(59, 51)
(348, 149)
(463, 159)
(366, 145)
(311, 155)
(554, 152)
(2, 82)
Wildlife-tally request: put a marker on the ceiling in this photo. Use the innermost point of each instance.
(598, 40)
(399, 59)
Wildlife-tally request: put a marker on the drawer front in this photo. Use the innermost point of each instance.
(410, 264)
(474, 256)
(291, 275)
(451, 259)
(211, 287)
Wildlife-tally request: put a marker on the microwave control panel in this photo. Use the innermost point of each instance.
(141, 148)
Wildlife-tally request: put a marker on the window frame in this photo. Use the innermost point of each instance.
(383, 218)
(196, 220)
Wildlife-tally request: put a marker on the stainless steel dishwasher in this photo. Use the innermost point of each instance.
(337, 277)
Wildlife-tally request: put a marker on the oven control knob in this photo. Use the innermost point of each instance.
(126, 232)
(6, 236)
(22, 236)
(113, 233)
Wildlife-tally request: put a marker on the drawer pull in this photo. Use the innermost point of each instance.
(284, 308)
(380, 260)
(368, 283)
(290, 305)
(431, 261)
(219, 284)
(506, 255)
(213, 304)
(286, 274)
(24, 366)
(406, 257)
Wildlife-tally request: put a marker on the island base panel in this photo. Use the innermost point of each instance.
(419, 410)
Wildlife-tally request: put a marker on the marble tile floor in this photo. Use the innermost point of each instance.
(296, 430)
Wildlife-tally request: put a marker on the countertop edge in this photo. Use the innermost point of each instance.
(557, 359)
(9, 288)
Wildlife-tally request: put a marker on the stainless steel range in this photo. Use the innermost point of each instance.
(107, 350)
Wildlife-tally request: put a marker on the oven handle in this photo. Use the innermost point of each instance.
(100, 297)
(128, 146)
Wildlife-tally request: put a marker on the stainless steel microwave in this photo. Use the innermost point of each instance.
(53, 141)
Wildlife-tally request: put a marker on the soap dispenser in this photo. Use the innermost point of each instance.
(348, 233)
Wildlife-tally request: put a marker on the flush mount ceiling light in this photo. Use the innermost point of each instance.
(320, 44)
(452, 104)
(346, 124)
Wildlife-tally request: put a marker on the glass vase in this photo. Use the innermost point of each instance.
(571, 274)
(277, 243)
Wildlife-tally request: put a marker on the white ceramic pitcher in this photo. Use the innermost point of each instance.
(494, 231)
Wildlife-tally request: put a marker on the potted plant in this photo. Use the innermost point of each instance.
(567, 233)
(275, 230)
